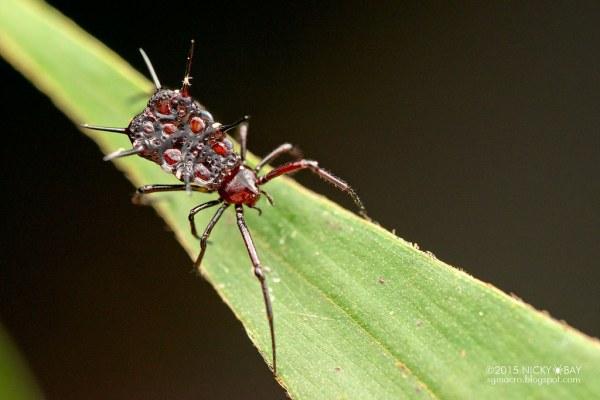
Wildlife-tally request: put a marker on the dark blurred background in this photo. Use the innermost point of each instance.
(472, 130)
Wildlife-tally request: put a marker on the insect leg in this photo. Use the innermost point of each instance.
(209, 227)
(243, 141)
(163, 188)
(243, 133)
(282, 149)
(196, 210)
(294, 166)
(258, 272)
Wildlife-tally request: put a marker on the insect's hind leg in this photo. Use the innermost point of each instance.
(259, 273)
(313, 166)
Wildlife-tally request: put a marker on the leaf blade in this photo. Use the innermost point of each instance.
(359, 313)
(16, 381)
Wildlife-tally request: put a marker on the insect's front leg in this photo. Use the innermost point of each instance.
(286, 148)
(208, 229)
(141, 191)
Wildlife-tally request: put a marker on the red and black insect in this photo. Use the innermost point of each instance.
(182, 137)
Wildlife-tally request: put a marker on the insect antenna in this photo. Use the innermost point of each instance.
(150, 69)
(185, 89)
(104, 128)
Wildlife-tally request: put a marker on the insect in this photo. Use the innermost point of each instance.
(182, 137)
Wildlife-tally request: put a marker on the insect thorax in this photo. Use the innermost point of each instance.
(181, 136)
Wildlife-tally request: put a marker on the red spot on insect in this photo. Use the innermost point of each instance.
(163, 107)
(169, 128)
(181, 110)
(202, 172)
(172, 156)
(197, 125)
(220, 148)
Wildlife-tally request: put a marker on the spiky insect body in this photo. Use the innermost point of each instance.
(179, 135)
(182, 137)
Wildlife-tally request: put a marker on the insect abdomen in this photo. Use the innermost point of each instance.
(182, 137)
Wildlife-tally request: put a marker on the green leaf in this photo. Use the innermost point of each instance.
(359, 313)
(16, 381)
